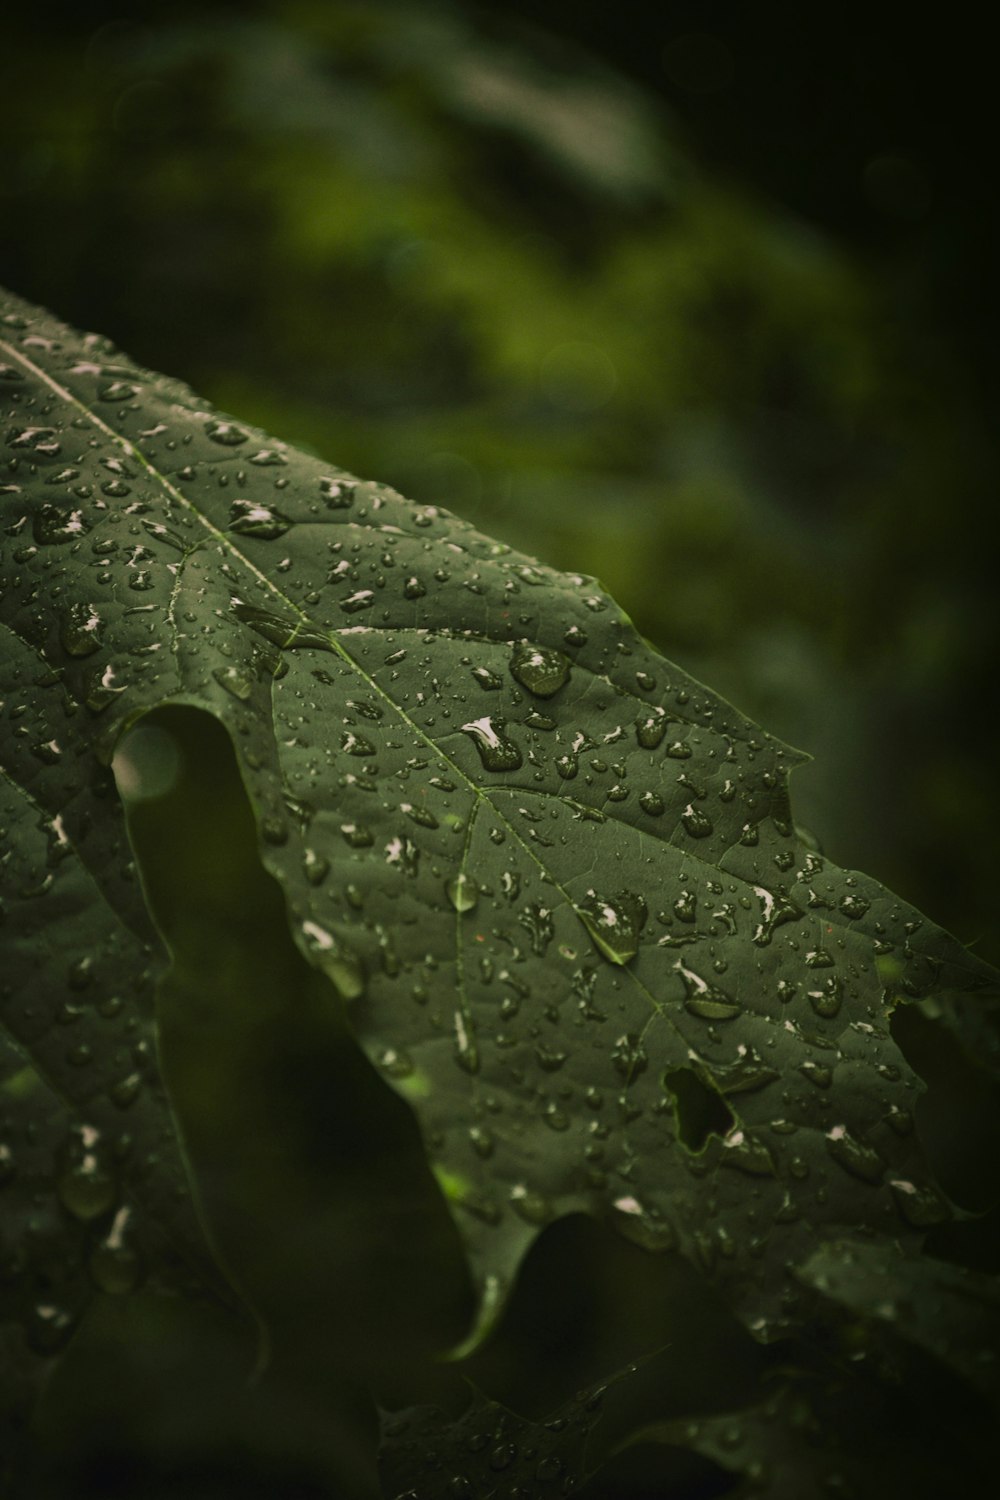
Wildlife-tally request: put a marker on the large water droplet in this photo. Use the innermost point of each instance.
(85, 1186)
(226, 433)
(540, 669)
(695, 822)
(497, 751)
(114, 1264)
(247, 518)
(614, 923)
(706, 1001)
(463, 892)
(921, 1207)
(861, 1160)
(53, 524)
(775, 910)
(338, 494)
(336, 960)
(235, 681)
(80, 627)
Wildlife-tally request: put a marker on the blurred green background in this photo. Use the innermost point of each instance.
(693, 298)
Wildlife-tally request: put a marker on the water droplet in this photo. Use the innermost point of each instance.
(336, 960)
(614, 923)
(695, 822)
(650, 728)
(775, 910)
(396, 1062)
(817, 1073)
(315, 866)
(819, 958)
(361, 599)
(706, 1001)
(496, 750)
(338, 494)
(235, 681)
(826, 1002)
(463, 893)
(746, 1154)
(487, 680)
(48, 1328)
(539, 669)
(629, 1056)
(118, 390)
(652, 803)
(920, 1207)
(356, 744)
(52, 524)
(744, 1076)
(529, 1205)
(85, 1187)
(80, 627)
(247, 518)
(114, 1264)
(861, 1160)
(357, 835)
(536, 918)
(853, 906)
(226, 433)
(482, 1140)
(466, 1052)
(414, 589)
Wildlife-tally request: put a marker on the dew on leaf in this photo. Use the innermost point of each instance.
(84, 1186)
(248, 518)
(463, 892)
(316, 867)
(695, 822)
(80, 627)
(354, 603)
(539, 669)
(629, 1056)
(236, 682)
(336, 960)
(356, 744)
(614, 923)
(53, 524)
(706, 1001)
(225, 433)
(497, 750)
(826, 1002)
(650, 728)
(861, 1160)
(338, 494)
(529, 1205)
(775, 910)
(920, 1207)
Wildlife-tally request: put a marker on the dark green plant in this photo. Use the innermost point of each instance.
(399, 793)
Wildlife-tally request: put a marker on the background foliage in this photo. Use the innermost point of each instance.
(696, 307)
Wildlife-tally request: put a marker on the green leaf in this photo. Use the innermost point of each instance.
(488, 1451)
(556, 882)
(951, 1312)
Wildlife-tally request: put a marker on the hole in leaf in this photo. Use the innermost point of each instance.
(701, 1110)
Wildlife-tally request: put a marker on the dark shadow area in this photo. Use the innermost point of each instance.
(701, 1110)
